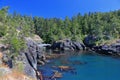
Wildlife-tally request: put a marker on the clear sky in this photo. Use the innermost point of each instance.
(59, 8)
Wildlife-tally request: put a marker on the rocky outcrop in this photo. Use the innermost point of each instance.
(32, 55)
(111, 48)
(108, 49)
(89, 41)
(26, 61)
(67, 45)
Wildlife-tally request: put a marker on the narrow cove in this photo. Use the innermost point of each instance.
(85, 66)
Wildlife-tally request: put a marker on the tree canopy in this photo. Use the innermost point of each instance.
(52, 29)
(77, 27)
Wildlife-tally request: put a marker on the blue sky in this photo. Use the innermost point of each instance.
(59, 8)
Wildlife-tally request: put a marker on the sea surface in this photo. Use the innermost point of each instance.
(85, 66)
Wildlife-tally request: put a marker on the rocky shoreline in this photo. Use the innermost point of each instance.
(34, 54)
(112, 49)
(27, 59)
(68, 45)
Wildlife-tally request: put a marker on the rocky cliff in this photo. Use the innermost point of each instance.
(27, 60)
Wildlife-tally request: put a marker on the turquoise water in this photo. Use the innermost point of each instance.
(87, 66)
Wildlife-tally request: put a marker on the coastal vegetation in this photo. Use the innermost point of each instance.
(103, 25)
(13, 29)
(17, 32)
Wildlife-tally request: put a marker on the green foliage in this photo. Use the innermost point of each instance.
(14, 28)
(76, 28)
(99, 24)
(2, 30)
(3, 27)
(15, 42)
(3, 13)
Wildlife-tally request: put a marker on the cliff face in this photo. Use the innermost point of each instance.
(26, 61)
(30, 58)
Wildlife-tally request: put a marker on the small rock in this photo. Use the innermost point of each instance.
(57, 75)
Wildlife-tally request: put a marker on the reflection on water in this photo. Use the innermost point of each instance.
(87, 66)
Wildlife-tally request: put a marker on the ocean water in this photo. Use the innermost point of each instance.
(86, 66)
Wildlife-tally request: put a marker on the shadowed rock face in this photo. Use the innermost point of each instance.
(111, 49)
(107, 49)
(67, 45)
(31, 56)
(89, 41)
(27, 58)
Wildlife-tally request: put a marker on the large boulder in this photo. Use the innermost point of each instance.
(89, 41)
(108, 49)
(57, 45)
(67, 45)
